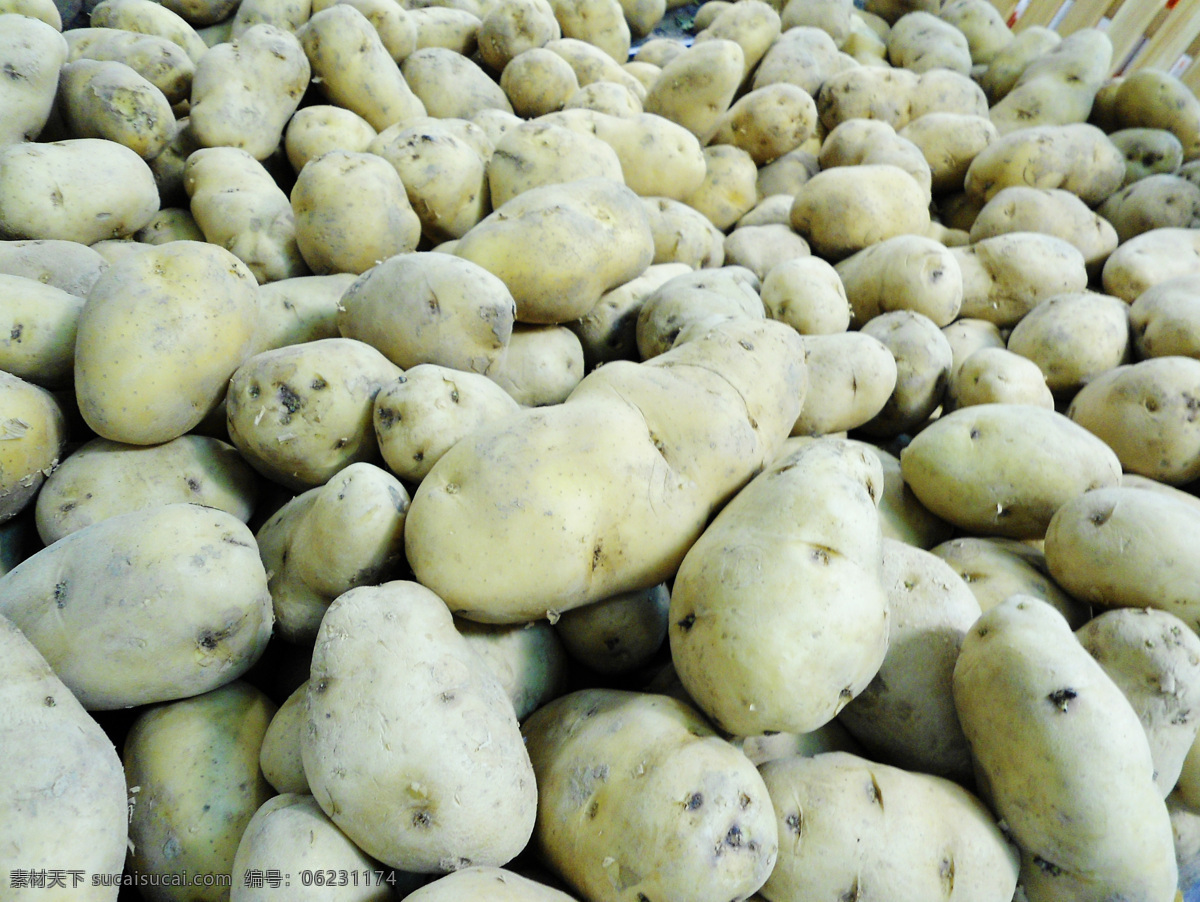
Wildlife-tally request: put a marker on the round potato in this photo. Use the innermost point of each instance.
(1165, 319)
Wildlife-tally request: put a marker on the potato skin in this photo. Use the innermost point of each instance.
(36, 52)
(34, 429)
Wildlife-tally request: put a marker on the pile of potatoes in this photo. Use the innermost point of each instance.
(487, 449)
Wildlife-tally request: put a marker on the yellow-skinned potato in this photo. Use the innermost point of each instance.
(509, 29)
(768, 122)
(995, 568)
(1152, 98)
(430, 69)
(831, 16)
(983, 26)
(170, 224)
(949, 142)
(608, 331)
(752, 672)
(392, 21)
(292, 311)
(354, 68)
(1007, 276)
(753, 25)
(80, 189)
(279, 758)
(850, 826)
(867, 92)
(421, 415)
(161, 62)
(1007, 65)
(102, 479)
(302, 413)
(446, 26)
(203, 618)
(1148, 151)
(771, 209)
(996, 376)
(1047, 726)
(695, 298)
(1149, 258)
(167, 168)
(590, 64)
(195, 763)
(158, 339)
(64, 789)
(968, 335)
(238, 205)
(244, 92)
(761, 248)
(38, 323)
(600, 23)
(1004, 469)
(643, 15)
(907, 272)
(806, 293)
(45, 10)
(786, 174)
(923, 359)
(683, 235)
(1073, 338)
(34, 430)
(538, 81)
(290, 833)
(352, 213)
(657, 51)
(625, 424)
(876, 202)
(494, 884)
(920, 41)
(430, 307)
(803, 56)
(542, 364)
(1158, 201)
(1146, 412)
(1165, 319)
(289, 15)
(1058, 87)
(450, 784)
(321, 128)
(728, 190)
(67, 265)
(867, 141)
(696, 88)
(639, 796)
(203, 13)
(527, 658)
(851, 376)
(592, 234)
(618, 634)
(541, 153)
(147, 17)
(606, 97)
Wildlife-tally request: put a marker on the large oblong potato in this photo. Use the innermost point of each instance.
(108, 99)
(1006, 276)
(696, 87)
(1004, 469)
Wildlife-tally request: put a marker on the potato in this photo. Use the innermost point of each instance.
(844, 806)
(81, 189)
(147, 17)
(1006, 66)
(753, 25)
(1152, 98)
(290, 833)
(204, 616)
(167, 168)
(612, 433)
(64, 790)
(1155, 202)
(1059, 86)
(170, 224)
(352, 213)
(354, 70)
(279, 756)
(238, 205)
(923, 359)
(321, 128)
(980, 471)
(289, 15)
(920, 41)
(541, 365)
(293, 311)
(996, 376)
(1154, 657)
(606, 97)
(187, 817)
(867, 141)
(658, 50)
(673, 811)
(907, 272)
(1148, 151)
(429, 69)
(593, 235)
(492, 883)
(508, 30)
(876, 202)
(1150, 258)
(449, 732)
(538, 153)
(802, 56)
(538, 81)
(694, 298)
(983, 26)
(1046, 725)
(161, 62)
(395, 26)
(968, 335)
(528, 659)
(244, 92)
(1146, 412)
(617, 635)
(806, 293)
(448, 27)
(1165, 319)
(949, 142)
(768, 121)
(608, 331)
(697, 87)
(600, 23)
(682, 234)
(430, 308)
(426, 411)
(102, 479)
(896, 96)
(762, 248)
(66, 265)
(590, 63)
(37, 331)
(773, 209)
(752, 673)
(300, 414)
(1005, 277)
(1074, 338)
(853, 374)
(159, 338)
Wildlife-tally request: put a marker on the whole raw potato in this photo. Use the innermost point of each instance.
(33, 436)
(35, 52)
(492, 883)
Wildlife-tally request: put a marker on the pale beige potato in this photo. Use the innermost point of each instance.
(832, 16)
(244, 92)
(239, 206)
(320, 128)
(509, 29)
(428, 307)
(682, 234)
(608, 331)
(79, 189)
(1046, 725)
(967, 335)
(786, 174)
(1006, 66)
(851, 377)
(698, 86)
(167, 168)
(1146, 412)
(429, 70)
(491, 883)
(353, 68)
(600, 23)
(161, 62)
(296, 310)
(996, 376)
(34, 431)
(901, 516)
(661, 824)
(1153, 98)
(761, 248)
(1158, 201)
(896, 96)
(643, 16)
(1165, 319)
(1058, 87)
(606, 97)
(203, 616)
(590, 64)
(539, 153)
(923, 358)
(290, 15)
(38, 323)
(64, 793)
(920, 41)
(752, 24)
(1148, 151)
(392, 21)
(949, 142)
(907, 272)
(1004, 469)
(449, 27)
(45, 10)
(188, 816)
(995, 568)
(868, 141)
(528, 659)
(865, 45)
(147, 17)
(352, 213)
(541, 365)
(768, 122)
(1074, 338)
(803, 56)
(158, 339)
(302, 413)
(538, 81)
(775, 209)
(1149, 258)
(694, 298)
(1007, 276)
(437, 706)
(658, 51)
(279, 756)
(67, 265)
(169, 224)
(102, 479)
(983, 26)
(592, 235)
(617, 635)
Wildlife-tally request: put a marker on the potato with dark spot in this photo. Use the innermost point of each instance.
(640, 799)
(31, 55)
(618, 634)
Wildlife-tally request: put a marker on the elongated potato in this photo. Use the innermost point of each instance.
(33, 429)
(1149, 258)
(1059, 87)
(996, 376)
(146, 17)
(696, 87)
(35, 53)
(38, 324)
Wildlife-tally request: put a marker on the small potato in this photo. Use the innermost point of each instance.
(697, 87)
(617, 635)
(147, 17)
(542, 365)
(422, 414)
(538, 81)
(34, 434)
(170, 224)
(786, 174)
(967, 335)
(997, 376)
(608, 331)
(949, 142)
(430, 69)
(1152, 98)
(168, 166)
(600, 23)
(983, 26)
(1004, 469)
(430, 308)
(1146, 412)
(923, 359)
(447, 27)
(754, 26)
(901, 516)
(1007, 65)
(867, 141)
(38, 323)
(1165, 319)
(290, 15)
(509, 29)
(352, 213)
(320, 128)
(807, 294)
(538, 153)
(1148, 151)
(81, 189)
(802, 56)
(920, 41)
(606, 97)
(768, 122)
(761, 248)
(1073, 338)
(1155, 202)
(35, 53)
(279, 757)
(1059, 87)
(527, 659)
(590, 64)
(1007, 276)
(1150, 258)
(852, 375)
(292, 311)
(907, 272)
(682, 234)
(775, 209)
